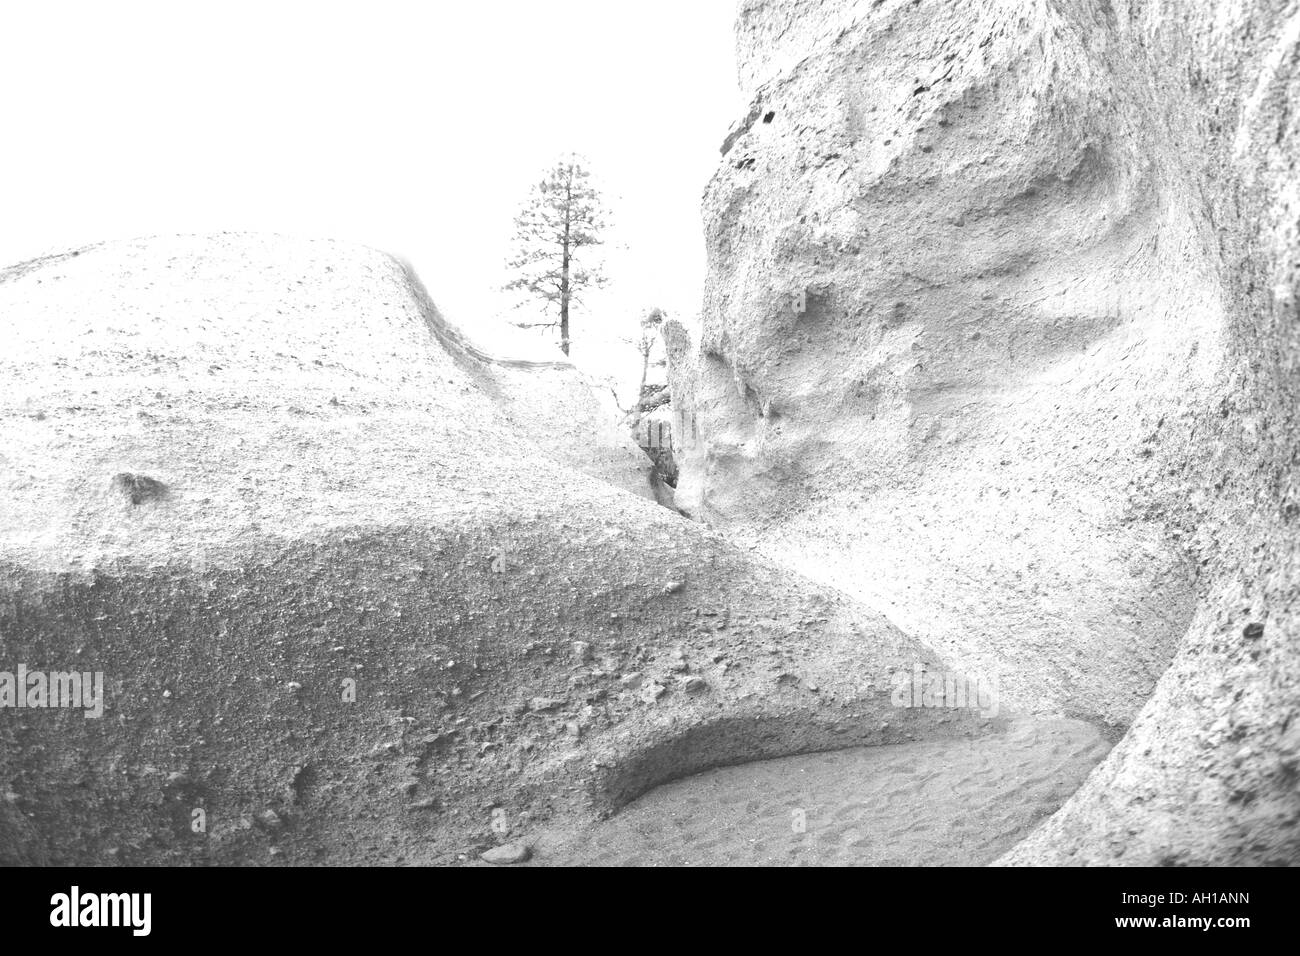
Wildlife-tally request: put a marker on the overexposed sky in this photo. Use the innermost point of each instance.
(416, 127)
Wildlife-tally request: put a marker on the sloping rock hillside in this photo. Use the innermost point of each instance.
(347, 605)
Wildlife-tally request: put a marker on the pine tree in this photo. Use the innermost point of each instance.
(554, 238)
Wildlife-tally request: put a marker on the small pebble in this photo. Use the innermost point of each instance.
(507, 854)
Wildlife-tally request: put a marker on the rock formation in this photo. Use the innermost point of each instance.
(349, 601)
(1001, 337)
(998, 373)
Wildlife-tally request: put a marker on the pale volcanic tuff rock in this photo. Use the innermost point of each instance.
(325, 565)
(1000, 335)
(549, 402)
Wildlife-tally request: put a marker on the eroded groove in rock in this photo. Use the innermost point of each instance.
(932, 803)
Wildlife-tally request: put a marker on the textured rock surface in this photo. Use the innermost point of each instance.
(1001, 336)
(328, 573)
(550, 403)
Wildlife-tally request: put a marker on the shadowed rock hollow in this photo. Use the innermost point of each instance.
(1001, 338)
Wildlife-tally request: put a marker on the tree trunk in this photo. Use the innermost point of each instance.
(564, 303)
(644, 347)
(564, 273)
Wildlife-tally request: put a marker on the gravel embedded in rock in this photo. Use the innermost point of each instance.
(695, 686)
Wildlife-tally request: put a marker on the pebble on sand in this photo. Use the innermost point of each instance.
(507, 853)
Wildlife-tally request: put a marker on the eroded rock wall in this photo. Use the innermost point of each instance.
(1000, 335)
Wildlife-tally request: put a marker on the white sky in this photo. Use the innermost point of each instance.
(416, 127)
